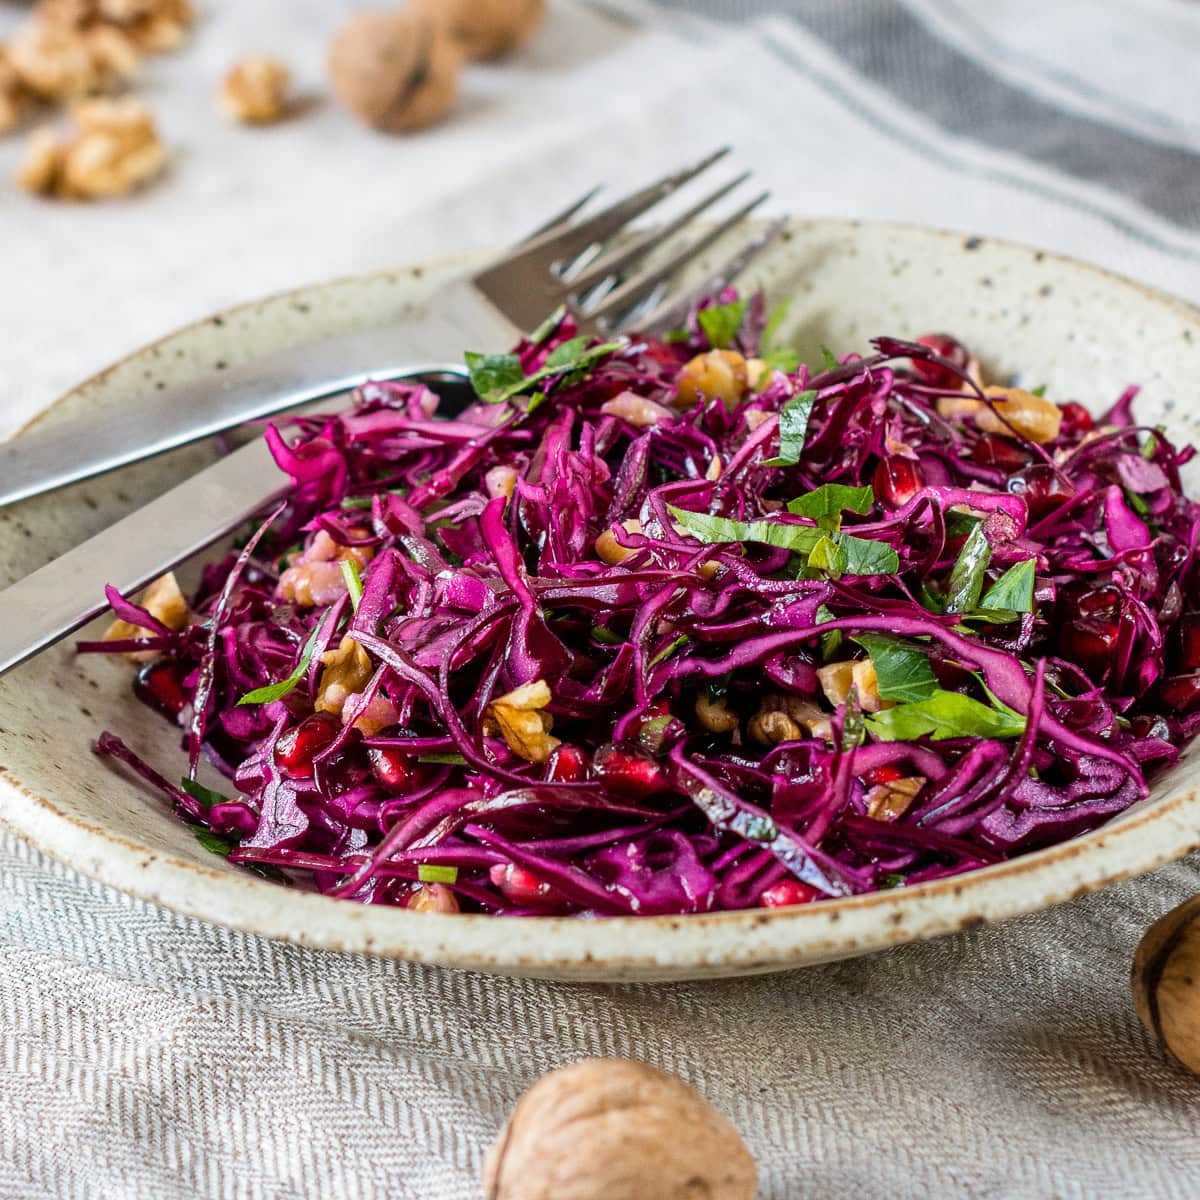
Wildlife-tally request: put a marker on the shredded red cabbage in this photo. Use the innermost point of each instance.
(677, 626)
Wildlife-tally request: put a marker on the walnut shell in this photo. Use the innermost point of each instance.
(487, 28)
(398, 71)
(1166, 982)
(607, 1129)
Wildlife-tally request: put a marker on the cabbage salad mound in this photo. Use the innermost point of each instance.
(679, 626)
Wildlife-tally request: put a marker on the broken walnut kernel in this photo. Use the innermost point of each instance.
(519, 718)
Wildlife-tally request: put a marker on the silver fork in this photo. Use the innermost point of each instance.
(581, 265)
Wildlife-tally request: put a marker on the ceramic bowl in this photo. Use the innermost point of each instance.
(1083, 333)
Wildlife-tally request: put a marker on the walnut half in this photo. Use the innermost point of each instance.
(115, 150)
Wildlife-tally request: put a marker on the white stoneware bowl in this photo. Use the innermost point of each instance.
(1082, 332)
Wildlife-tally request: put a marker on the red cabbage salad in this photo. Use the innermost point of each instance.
(681, 625)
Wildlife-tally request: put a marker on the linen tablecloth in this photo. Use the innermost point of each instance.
(147, 1054)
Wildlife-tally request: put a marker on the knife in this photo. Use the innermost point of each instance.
(155, 422)
(65, 594)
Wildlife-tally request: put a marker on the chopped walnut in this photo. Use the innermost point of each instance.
(716, 374)
(255, 90)
(714, 713)
(500, 481)
(153, 25)
(164, 601)
(346, 670)
(115, 150)
(611, 551)
(786, 718)
(379, 714)
(889, 801)
(838, 678)
(316, 576)
(432, 897)
(1030, 415)
(62, 64)
(521, 722)
(637, 410)
(15, 97)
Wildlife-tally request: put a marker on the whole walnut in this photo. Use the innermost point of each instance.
(398, 71)
(487, 28)
(608, 1129)
(1166, 982)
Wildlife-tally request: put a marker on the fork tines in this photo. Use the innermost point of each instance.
(610, 278)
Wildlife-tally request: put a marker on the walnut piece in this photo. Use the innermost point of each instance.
(838, 678)
(785, 719)
(59, 63)
(432, 897)
(316, 576)
(397, 71)
(637, 410)
(164, 601)
(609, 550)
(346, 670)
(718, 374)
(254, 91)
(152, 26)
(888, 801)
(15, 98)
(521, 722)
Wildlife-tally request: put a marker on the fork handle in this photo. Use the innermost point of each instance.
(161, 419)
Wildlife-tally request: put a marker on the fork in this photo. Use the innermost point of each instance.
(583, 266)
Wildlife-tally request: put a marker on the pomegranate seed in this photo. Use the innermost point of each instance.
(1075, 419)
(897, 480)
(1043, 488)
(1090, 642)
(934, 374)
(629, 770)
(397, 771)
(519, 885)
(888, 773)
(1189, 641)
(992, 450)
(1180, 694)
(158, 685)
(786, 893)
(568, 764)
(1095, 602)
(295, 751)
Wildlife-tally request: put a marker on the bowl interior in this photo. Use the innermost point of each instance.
(1032, 317)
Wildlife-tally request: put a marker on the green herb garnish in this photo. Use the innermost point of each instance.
(276, 691)
(721, 322)
(432, 873)
(793, 428)
(902, 670)
(946, 715)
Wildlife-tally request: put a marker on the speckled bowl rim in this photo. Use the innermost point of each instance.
(648, 948)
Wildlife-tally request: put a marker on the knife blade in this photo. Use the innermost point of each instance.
(65, 594)
(457, 319)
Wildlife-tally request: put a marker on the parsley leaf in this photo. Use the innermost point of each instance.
(854, 730)
(666, 652)
(902, 670)
(498, 377)
(491, 373)
(548, 326)
(830, 642)
(829, 557)
(826, 504)
(276, 691)
(721, 322)
(793, 428)
(862, 557)
(213, 842)
(447, 759)
(946, 715)
(1013, 591)
(966, 579)
(829, 360)
(206, 796)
